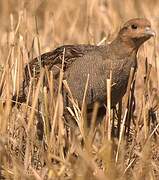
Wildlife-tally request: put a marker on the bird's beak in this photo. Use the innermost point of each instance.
(149, 31)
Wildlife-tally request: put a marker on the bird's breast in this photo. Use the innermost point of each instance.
(97, 73)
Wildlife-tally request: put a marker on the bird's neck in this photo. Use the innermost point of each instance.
(123, 47)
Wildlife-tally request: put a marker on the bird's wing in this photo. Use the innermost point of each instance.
(53, 59)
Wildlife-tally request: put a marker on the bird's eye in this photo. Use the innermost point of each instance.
(133, 26)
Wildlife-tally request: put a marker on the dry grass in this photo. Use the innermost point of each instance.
(29, 28)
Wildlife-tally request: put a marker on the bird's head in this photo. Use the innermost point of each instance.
(136, 31)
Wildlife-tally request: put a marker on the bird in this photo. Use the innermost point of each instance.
(81, 60)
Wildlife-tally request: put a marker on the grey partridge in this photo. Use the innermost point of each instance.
(97, 61)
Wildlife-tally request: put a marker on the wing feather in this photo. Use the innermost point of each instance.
(53, 59)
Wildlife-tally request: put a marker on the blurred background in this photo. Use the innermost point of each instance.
(62, 22)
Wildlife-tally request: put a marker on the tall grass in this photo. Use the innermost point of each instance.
(36, 142)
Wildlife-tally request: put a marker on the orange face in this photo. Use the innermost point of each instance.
(138, 29)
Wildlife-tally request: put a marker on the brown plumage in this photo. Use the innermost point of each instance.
(97, 61)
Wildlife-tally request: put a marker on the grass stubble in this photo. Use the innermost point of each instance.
(124, 145)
